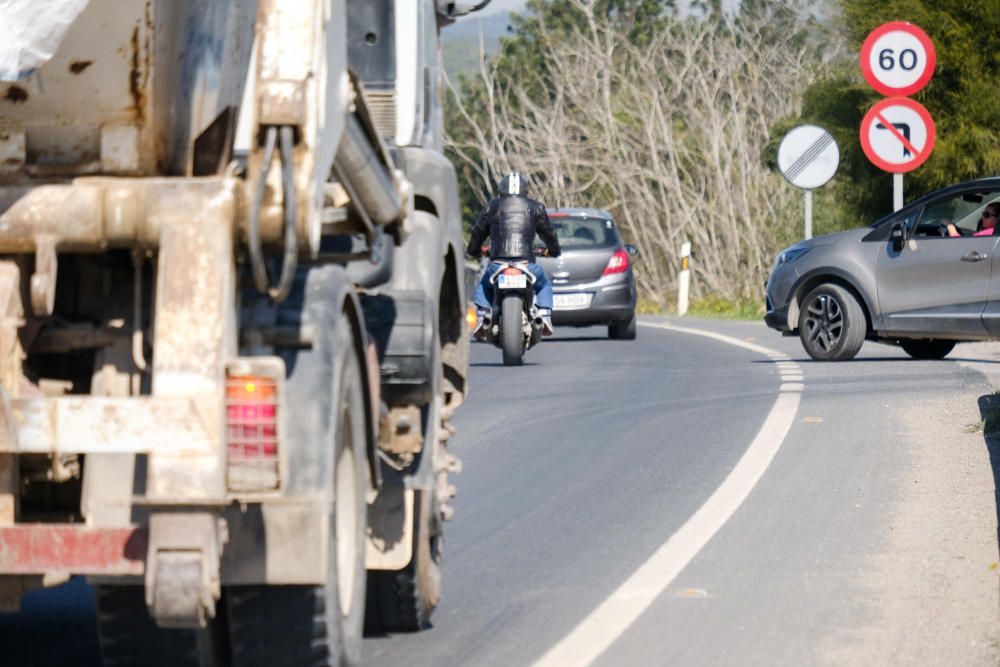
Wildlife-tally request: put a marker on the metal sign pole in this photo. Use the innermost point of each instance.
(897, 192)
(808, 157)
(809, 214)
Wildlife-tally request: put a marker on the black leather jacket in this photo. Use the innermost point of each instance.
(511, 222)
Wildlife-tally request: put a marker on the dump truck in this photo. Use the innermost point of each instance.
(234, 321)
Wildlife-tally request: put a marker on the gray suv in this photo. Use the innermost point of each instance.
(925, 278)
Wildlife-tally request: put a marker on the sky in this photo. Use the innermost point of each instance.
(518, 5)
(504, 6)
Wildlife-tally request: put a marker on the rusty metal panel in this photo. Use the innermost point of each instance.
(94, 213)
(131, 86)
(194, 334)
(9, 491)
(73, 214)
(40, 548)
(92, 425)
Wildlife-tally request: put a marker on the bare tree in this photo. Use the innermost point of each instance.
(669, 136)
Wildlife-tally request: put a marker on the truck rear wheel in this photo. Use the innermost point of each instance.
(407, 598)
(404, 600)
(319, 625)
(128, 635)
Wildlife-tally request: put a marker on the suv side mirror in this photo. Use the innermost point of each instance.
(898, 236)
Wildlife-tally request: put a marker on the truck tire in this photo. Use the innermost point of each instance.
(128, 635)
(319, 625)
(511, 333)
(832, 325)
(623, 330)
(927, 349)
(405, 599)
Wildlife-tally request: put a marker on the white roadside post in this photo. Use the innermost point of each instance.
(808, 157)
(897, 192)
(684, 279)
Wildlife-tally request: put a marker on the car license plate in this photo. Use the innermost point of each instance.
(512, 282)
(570, 301)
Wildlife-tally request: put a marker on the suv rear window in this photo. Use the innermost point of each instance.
(580, 233)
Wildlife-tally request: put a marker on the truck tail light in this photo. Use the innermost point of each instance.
(252, 437)
(617, 264)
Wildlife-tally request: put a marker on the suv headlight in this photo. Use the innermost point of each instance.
(791, 255)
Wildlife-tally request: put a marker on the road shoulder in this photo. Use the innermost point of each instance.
(933, 585)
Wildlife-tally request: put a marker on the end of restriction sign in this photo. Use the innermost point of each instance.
(808, 157)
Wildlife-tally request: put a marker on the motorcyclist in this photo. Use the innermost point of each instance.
(512, 220)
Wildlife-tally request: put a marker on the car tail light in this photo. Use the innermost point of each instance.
(617, 264)
(252, 427)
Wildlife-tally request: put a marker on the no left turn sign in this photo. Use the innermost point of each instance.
(897, 135)
(898, 58)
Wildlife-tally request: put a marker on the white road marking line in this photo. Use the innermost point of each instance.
(595, 633)
(711, 334)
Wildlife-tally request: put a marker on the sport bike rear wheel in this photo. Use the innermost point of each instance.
(511, 330)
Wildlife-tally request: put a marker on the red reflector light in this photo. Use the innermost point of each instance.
(617, 264)
(252, 432)
(511, 272)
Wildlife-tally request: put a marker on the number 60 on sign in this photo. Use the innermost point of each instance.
(898, 59)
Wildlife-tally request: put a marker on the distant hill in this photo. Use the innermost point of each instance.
(460, 42)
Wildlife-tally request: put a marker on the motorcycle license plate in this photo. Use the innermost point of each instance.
(512, 282)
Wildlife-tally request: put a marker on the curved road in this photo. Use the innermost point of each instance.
(870, 537)
(580, 466)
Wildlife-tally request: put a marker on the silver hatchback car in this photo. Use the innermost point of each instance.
(924, 277)
(592, 279)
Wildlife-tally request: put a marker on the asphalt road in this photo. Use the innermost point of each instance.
(581, 465)
(866, 534)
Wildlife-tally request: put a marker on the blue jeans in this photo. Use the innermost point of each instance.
(543, 288)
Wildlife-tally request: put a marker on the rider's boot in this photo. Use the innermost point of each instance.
(546, 315)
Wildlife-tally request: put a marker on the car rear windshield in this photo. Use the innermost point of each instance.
(580, 233)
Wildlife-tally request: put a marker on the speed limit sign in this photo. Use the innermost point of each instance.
(898, 59)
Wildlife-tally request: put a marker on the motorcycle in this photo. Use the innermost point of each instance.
(515, 324)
